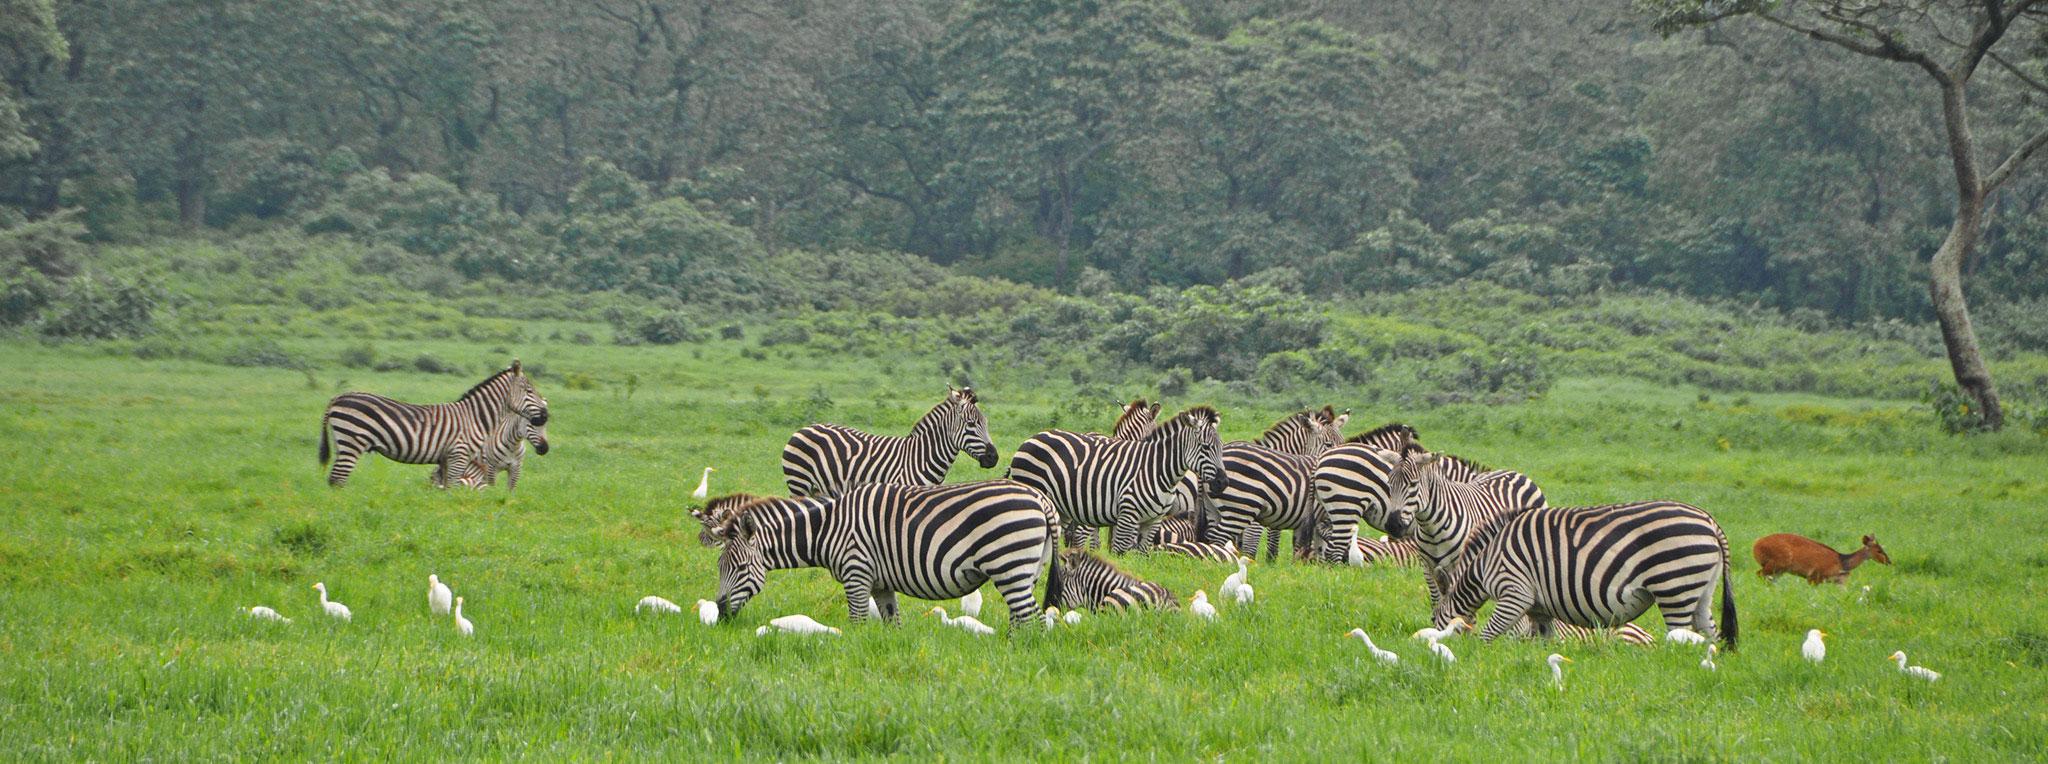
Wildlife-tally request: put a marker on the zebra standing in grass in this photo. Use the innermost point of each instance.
(1126, 485)
(1089, 582)
(1444, 514)
(1260, 481)
(1595, 568)
(445, 434)
(1350, 483)
(929, 542)
(504, 451)
(824, 459)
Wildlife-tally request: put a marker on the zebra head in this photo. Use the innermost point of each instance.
(1405, 480)
(534, 432)
(1461, 583)
(973, 428)
(1351, 487)
(742, 568)
(1208, 446)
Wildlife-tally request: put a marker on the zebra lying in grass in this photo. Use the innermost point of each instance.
(1594, 568)
(504, 451)
(823, 459)
(929, 542)
(446, 434)
(1083, 580)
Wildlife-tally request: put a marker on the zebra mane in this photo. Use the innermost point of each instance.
(1383, 430)
(1202, 414)
(1468, 463)
(479, 388)
(1076, 561)
(719, 514)
(1304, 417)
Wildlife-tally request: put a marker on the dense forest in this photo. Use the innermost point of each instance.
(669, 148)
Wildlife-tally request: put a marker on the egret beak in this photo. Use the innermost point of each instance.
(1568, 660)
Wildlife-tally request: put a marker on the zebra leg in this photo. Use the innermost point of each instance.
(859, 594)
(1019, 586)
(1514, 604)
(885, 607)
(512, 476)
(458, 462)
(346, 452)
(1272, 545)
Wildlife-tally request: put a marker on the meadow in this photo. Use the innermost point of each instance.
(145, 501)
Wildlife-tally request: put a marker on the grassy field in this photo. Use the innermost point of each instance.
(145, 501)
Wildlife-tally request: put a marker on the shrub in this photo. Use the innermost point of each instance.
(263, 353)
(359, 357)
(665, 328)
(431, 364)
(785, 333)
(99, 309)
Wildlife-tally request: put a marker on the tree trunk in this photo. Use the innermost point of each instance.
(1945, 273)
(190, 181)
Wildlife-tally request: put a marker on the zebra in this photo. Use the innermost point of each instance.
(1596, 568)
(1126, 485)
(1443, 514)
(1135, 421)
(1350, 483)
(824, 459)
(504, 451)
(1086, 581)
(1267, 487)
(1199, 550)
(1305, 433)
(878, 540)
(446, 434)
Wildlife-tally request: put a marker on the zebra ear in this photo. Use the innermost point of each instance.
(515, 366)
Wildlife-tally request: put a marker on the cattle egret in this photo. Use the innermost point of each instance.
(1231, 584)
(264, 613)
(965, 623)
(1201, 607)
(1814, 649)
(707, 611)
(1917, 672)
(334, 609)
(1431, 635)
(1864, 593)
(1355, 556)
(462, 624)
(1052, 616)
(971, 604)
(657, 604)
(797, 624)
(1441, 652)
(1685, 636)
(1708, 662)
(439, 599)
(1384, 656)
(703, 484)
(1244, 594)
(1557, 669)
(1072, 617)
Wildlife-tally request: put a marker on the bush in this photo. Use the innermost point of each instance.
(263, 353)
(432, 364)
(785, 333)
(93, 308)
(359, 357)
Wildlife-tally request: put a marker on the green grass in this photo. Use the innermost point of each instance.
(144, 501)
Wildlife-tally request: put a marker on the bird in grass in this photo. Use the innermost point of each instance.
(965, 623)
(707, 611)
(1865, 593)
(795, 624)
(439, 598)
(1052, 616)
(1441, 652)
(462, 625)
(1457, 624)
(1685, 636)
(262, 613)
(1557, 669)
(703, 484)
(971, 604)
(1355, 556)
(1231, 584)
(334, 609)
(1917, 672)
(1384, 656)
(1244, 594)
(1814, 649)
(657, 604)
(1072, 617)
(1708, 662)
(1200, 606)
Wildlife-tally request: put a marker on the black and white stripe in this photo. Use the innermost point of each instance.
(1125, 485)
(504, 451)
(1135, 421)
(824, 459)
(1304, 433)
(1596, 568)
(929, 542)
(446, 434)
(1269, 488)
(1088, 582)
(1444, 513)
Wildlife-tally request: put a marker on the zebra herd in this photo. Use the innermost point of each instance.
(874, 512)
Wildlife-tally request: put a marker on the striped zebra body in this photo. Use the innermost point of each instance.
(1136, 420)
(1269, 488)
(446, 434)
(1445, 513)
(1124, 485)
(504, 451)
(1089, 582)
(1197, 549)
(1401, 552)
(1306, 433)
(1596, 568)
(1351, 487)
(824, 459)
(929, 542)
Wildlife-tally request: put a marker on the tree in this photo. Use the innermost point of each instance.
(1948, 41)
(29, 41)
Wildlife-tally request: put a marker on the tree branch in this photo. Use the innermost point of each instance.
(2012, 163)
(2015, 71)
(1887, 48)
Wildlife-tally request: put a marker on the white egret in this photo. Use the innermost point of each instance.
(1384, 656)
(462, 624)
(1355, 556)
(1814, 650)
(703, 484)
(1072, 617)
(1201, 607)
(1685, 636)
(657, 604)
(334, 609)
(707, 611)
(1244, 594)
(1557, 669)
(1441, 652)
(1052, 616)
(1457, 624)
(971, 604)
(263, 613)
(439, 598)
(965, 623)
(1230, 585)
(1708, 662)
(1917, 672)
(796, 624)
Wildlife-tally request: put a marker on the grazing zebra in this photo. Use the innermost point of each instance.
(1126, 485)
(446, 434)
(504, 451)
(1086, 581)
(1270, 488)
(824, 459)
(929, 542)
(1596, 568)
(1444, 513)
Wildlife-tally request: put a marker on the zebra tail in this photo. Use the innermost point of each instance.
(325, 453)
(1728, 604)
(1052, 579)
